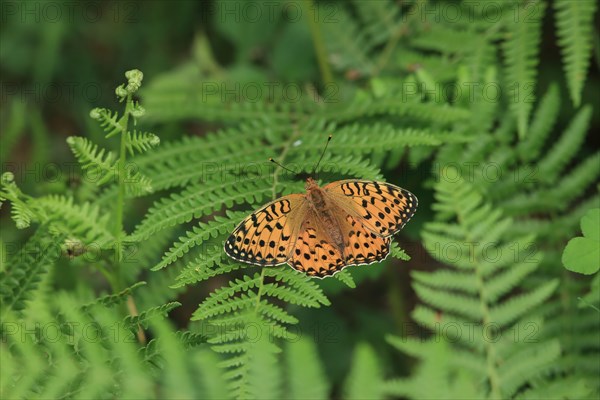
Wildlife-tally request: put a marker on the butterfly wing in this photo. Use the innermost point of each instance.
(361, 245)
(315, 253)
(381, 207)
(267, 236)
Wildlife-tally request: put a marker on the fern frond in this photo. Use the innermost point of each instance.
(365, 379)
(574, 387)
(574, 28)
(346, 44)
(565, 149)
(85, 221)
(519, 369)
(303, 365)
(380, 19)
(465, 306)
(195, 159)
(508, 279)
(438, 363)
(198, 234)
(110, 300)
(99, 161)
(345, 278)
(471, 237)
(141, 141)
(26, 268)
(300, 283)
(507, 312)
(131, 322)
(224, 295)
(20, 212)
(544, 119)
(352, 138)
(109, 121)
(364, 106)
(199, 200)
(561, 194)
(208, 264)
(449, 280)
(263, 377)
(136, 183)
(446, 40)
(521, 49)
(197, 100)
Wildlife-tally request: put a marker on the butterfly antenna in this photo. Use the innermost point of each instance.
(322, 154)
(281, 166)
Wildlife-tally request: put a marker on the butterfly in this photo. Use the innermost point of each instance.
(348, 222)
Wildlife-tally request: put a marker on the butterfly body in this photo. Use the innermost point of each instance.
(320, 232)
(316, 199)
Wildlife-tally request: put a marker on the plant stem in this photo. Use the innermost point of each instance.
(121, 182)
(276, 173)
(321, 53)
(121, 170)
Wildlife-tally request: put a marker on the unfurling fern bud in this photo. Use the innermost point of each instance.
(121, 93)
(95, 113)
(134, 80)
(7, 177)
(137, 111)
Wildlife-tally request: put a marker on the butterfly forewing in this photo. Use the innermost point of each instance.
(381, 207)
(267, 236)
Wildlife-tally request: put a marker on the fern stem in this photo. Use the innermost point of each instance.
(489, 346)
(121, 182)
(282, 155)
(117, 281)
(321, 53)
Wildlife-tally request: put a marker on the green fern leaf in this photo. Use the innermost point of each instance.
(109, 121)
(346, 44)
(21, 213)
(199, 200)
(206, 266)
(544, 119)
(101, 163)
(521, 49)
(78, 221)
(365, 379)
(113, 299)
(565, 149)
(26, 268)
(303, 365)
(574, 28)
(264, 380)
(518, 370)
(141, 141)
(510, 310)
(131, 322)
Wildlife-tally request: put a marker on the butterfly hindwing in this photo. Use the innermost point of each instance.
(363, 246)
(267, 236)
(382, 207)
(314, 254)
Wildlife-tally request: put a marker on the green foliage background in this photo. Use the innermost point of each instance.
(116, 203)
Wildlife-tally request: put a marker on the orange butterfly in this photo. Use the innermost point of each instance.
(328, 228)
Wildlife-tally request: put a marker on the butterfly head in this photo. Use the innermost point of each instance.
(311, 184)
